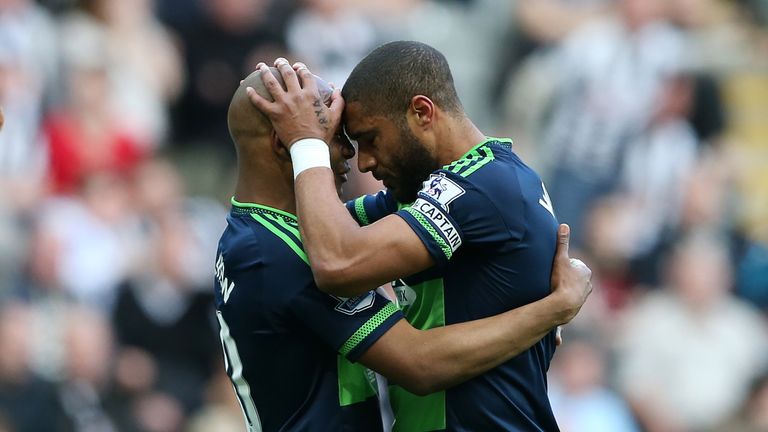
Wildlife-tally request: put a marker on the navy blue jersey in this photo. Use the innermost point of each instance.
(289, 348)
(488, 223)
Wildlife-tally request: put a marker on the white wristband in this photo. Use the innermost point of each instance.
(309, 153)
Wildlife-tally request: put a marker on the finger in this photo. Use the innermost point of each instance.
(306, 78)
(261, 103)
(289, 75)
(336, 108)
(563, 240)
(272, 85)
(258, 68)
(337, 102)
(577, 263)
(559, 336)
(298, 67)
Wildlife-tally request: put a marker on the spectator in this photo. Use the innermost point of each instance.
(162, 311)
(612, 74)
(580, 400)
(23, 396)
(330, 37)
(222, 410)
(752, 274)
(28, 69)
(143, 66)
(84, 135)
(656, 168)
(91, 240)
(88, 343)
(688, 354)
(233, 37)
(539, 24)
(753, 416)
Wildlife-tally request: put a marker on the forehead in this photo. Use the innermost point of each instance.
(357, 121)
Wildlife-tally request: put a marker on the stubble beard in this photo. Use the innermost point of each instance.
(412, 166)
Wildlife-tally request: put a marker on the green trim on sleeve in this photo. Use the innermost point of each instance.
(368, 328)
(362, 216)
(444, 246)
(283, 236)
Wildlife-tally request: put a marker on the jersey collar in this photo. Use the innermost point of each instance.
(260, 208)
(487, 140)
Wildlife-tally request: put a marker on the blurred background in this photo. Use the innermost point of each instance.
(648, 119)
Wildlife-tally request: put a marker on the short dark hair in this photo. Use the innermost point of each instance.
(386, 80)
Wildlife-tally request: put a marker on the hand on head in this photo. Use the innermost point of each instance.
(298, 110)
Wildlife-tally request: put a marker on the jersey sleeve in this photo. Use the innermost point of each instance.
(349, 326)
(367, 209)
(452, 211)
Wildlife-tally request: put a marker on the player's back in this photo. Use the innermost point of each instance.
(284, 368)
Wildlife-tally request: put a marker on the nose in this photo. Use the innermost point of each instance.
(347, 149)
(365, 161)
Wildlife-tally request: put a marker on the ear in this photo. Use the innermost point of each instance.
(422, 110)
(278, 148)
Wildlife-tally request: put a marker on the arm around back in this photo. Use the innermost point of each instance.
(426, 361)
(423, 362)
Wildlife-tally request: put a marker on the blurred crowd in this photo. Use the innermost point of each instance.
(648, 120)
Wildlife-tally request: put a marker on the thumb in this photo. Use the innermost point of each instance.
(563, 239)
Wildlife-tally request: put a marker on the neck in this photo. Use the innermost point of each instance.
(259, 187)
(458, 137)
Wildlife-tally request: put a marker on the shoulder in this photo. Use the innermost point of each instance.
(491, 170)
(264, 240)
(479, 157)
(261, 265)
(242, 238)
(488, 175)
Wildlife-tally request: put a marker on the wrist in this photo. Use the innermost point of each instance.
(560, 308)
(309, 153)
